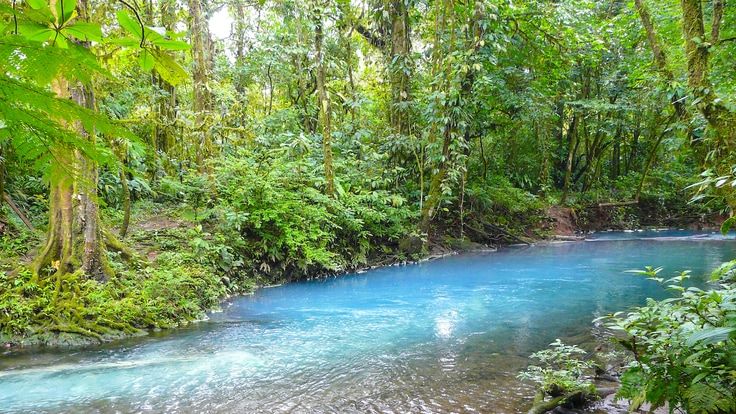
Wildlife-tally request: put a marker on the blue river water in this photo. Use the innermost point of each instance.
(449, 335)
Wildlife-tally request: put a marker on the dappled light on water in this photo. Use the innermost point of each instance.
(444, 336)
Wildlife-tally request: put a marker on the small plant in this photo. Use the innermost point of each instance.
(562, 370)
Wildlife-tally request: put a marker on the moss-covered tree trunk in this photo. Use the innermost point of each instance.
(202, 100)
(2, 180)
(74, 239)
(400, 67)
(325, 105)
(453, 138)
(721, 121)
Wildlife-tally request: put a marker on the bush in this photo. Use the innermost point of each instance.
(279, 224)
(37, 310)
(561, 372)
(684, 348)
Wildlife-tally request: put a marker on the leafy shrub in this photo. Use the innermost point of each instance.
(684, 348)
(277, 223)
(501, 203)
(561, 371)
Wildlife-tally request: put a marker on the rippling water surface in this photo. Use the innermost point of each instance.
(448, 335)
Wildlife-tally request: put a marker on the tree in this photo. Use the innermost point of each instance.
(455, 72)
(324, 101)
(202, 99)
(703, 92)
(75, 239)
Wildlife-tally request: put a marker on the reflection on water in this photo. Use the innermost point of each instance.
(444, 336)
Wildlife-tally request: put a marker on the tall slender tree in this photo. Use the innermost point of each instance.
(324, 101)
(202, 99)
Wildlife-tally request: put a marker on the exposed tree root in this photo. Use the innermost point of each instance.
(576, 397)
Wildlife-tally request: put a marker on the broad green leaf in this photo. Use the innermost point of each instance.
(157, 29)
(145, 59)
(726, 226)
(171, 44)
(27, 29)
(37, 4)
(60, 41)
(41, 35)
(129, 24)
(152, 35)
(710, 336)
(65, 9)
(168, 68)
(126, 42)
(85, 31)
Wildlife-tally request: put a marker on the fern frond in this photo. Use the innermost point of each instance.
(708, 398)
(37, 124)
(40, 64)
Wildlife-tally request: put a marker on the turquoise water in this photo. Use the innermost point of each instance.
(448, 335)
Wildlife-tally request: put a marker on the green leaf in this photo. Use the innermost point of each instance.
(41, 35)
(726, 226)
(37, 4)
(60, 41)
(129, 24)
(710, 336)
(157, 29)
(85, 31)
(168, 68)
(66, 9)
(171, 44)
(42, 14)
(146, 60)
(700, 377)
(126, 42)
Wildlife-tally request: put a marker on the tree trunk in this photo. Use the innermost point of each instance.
(74, 238)
(696, 51)
(721, 121)
(202, 101)
(2, 180)
(400, 67)
(325, 106)
(126, 204)
(572, 145)
(452, 134)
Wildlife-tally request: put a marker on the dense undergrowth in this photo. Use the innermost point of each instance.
(256, 218)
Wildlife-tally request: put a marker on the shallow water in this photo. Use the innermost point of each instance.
(448, 335)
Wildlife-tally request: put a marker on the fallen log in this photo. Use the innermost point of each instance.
(618, 204)
(541, 406)
(18, 212)
(505, 232)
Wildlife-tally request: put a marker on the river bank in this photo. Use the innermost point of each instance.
(183, 268)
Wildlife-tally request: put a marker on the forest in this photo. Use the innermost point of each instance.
(159, 156)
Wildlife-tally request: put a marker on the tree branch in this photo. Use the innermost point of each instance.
(371, 37)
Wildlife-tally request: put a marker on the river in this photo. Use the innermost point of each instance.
(448, 335)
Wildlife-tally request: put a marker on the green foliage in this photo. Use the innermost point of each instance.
(497, 201)
(152, 43)
(684, 348)
(562, 371)
(35, 121)
(277, 224)
(177, 290)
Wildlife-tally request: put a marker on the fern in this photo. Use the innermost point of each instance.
(34, 123)
(710, 398)
(40, 64)
(34, 120)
